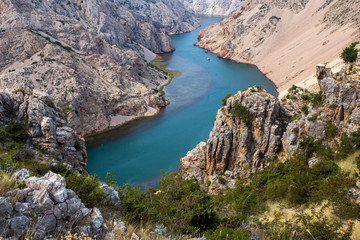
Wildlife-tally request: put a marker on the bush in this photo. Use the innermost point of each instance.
(330, 129)
(349, 54)
(178, 204)
(305, 109)
(226, 98)
(20, 136)
(87, 188)
(2, 135)
(13, 127)
(242, 113)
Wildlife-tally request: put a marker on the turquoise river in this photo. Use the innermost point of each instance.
(138, 151)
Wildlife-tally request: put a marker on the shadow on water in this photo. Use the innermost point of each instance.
(136, 152)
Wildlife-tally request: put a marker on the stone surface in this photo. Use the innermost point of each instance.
(213, 7)
(20, 175)
(55, 208)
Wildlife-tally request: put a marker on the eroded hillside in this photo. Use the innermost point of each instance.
(285, 39)
(89, 55)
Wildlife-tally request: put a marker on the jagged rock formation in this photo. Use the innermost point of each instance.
(267, 130)
(213, 7)
(285, 39)
(89, 55)
(45, 126)
(46, 208)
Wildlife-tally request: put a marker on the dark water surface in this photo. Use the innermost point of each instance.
(138, 151)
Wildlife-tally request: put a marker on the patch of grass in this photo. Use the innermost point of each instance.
(349, 164)
(5, 183)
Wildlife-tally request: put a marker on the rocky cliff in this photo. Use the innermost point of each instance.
(46, 130)
(213, 7)
(285, 39)
(89, 55)
(254, 129)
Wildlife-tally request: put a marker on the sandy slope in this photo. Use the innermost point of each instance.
(292, 47)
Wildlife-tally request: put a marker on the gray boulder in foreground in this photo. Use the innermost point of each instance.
(46, 207)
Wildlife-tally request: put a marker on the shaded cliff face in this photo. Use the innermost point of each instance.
(285, 39)
(89, 55)
(213, 7)
(254, 129)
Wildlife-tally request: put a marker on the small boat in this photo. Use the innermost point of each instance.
(206, 51)
(208, 59)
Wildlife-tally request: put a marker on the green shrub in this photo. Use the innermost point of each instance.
(242, 113)
(66, 109)
(178, 204)
(110, 179)
(293, 87)
(349, 54)
(330, 129)
(86, 187)
(20, 136)
(305, 109)
(316, 99)
(2, 135)
(313, 118)
(226, 98)
(13, 127)
(20, 90)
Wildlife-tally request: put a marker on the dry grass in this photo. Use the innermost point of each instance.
(5, 183)
(356, 233)
(348, 165)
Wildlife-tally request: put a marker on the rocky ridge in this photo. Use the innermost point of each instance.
(213, 7)
(239, 146)
(285, 39)
(89, 55)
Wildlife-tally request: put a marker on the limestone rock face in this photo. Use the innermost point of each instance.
(47, 207)
(232, 141)
(89, 55)
(213, 7)
(254, 129)
(44, 123)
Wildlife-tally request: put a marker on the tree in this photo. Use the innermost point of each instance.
(349, 54)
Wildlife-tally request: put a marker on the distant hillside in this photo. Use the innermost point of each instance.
(213, 7)
(285, 39)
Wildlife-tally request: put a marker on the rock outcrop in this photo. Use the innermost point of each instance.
(45, 126)
(45, 207)
(89, 55)
(285, 39)
(213, 7)
(254, 129)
